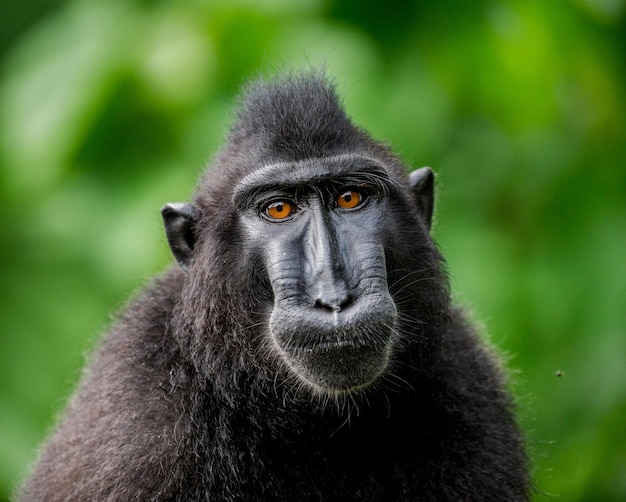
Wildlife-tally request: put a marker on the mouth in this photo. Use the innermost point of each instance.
(341, 368)
(336, 352)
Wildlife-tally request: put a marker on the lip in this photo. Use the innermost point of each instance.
(368, 322)
(341, 368)
(331, 341)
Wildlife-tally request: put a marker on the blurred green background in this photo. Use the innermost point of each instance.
(110, 109)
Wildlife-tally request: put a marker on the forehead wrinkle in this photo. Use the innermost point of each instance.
(306, 172)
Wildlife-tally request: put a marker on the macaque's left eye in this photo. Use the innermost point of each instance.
(350, 199)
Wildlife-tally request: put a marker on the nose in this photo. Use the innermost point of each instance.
(328, 286)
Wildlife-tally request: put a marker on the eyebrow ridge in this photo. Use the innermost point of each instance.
(294, 174)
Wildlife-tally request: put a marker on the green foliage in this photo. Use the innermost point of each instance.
(110, 109)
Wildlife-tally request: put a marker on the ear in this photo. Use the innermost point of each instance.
(180, 221)
(422, 182)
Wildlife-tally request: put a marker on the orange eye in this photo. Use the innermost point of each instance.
(280, 210)
(349, 199)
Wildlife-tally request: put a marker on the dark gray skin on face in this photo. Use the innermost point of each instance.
(304, 347)
(333, 318)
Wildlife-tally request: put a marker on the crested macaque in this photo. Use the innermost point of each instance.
(303, 347)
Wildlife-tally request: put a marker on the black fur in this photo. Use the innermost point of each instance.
(185, 401)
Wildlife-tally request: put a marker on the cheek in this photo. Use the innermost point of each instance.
(284, 268)
(369, 228)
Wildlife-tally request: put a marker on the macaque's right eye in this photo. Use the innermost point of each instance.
(279, 210)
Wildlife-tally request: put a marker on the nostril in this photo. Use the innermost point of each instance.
(346, 302)
(335, 304)
(319, 304)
